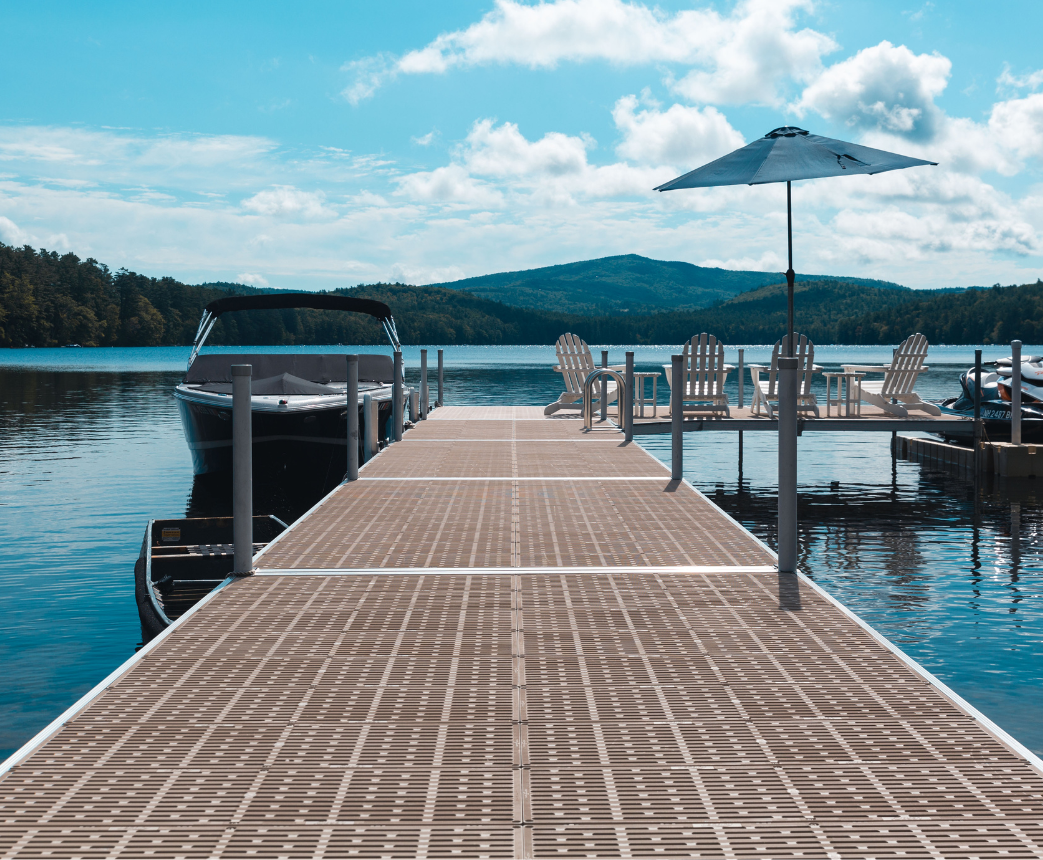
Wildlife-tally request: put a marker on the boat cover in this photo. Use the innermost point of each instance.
(284, 383)
(322, 368)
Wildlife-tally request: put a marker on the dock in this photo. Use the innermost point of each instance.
(512, 638)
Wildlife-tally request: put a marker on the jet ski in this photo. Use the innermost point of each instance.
(996, 401)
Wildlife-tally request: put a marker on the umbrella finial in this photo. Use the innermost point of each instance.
(786, 131)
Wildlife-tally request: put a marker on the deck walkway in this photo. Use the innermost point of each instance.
(512, 639)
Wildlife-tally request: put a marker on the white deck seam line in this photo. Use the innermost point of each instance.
(489, 571)
(56, 725)
(1000, 734)
(509, 478)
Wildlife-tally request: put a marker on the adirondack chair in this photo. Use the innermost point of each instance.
(705, 374)
(894, 393)
(766, 391)
(575, 363)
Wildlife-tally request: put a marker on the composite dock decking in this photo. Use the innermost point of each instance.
(513, 639)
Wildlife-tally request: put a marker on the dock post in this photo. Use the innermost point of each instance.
(676, 418)
(441, 381)
(742, 403)
(397, 400)
(787, 542)
(370, 436)
(604, 386)
(977, 412)
(353, 418)
(242, 471)
(628, 414)
(423, 384)
(1015, 392)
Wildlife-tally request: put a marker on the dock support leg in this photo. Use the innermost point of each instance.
(787, 545)
(604, 387)
(441, 380)
(398, 404)
(423, 384)
(676, 418)
(1015, 392)
(370, 437)
(353, 418)
(628, 412)
(977, 413)
(242, 471)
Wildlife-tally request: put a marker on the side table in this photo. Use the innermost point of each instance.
(639, 392)
(848, 401)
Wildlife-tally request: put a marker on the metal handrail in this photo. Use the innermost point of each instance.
(588, 397)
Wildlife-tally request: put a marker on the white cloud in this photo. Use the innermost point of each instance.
(1007, 81)
(1018, 125)
(12, 234)
(679, 136)
(251, 279)
(503, 151)
(747, 55)
(883, 87)
(449, 184)
(288, 202)
(425, 139)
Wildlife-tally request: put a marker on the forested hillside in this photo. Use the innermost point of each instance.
(625, 284)
(47, 299)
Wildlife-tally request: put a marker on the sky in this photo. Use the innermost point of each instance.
(326, 144)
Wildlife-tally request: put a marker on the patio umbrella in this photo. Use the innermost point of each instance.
(785, 155)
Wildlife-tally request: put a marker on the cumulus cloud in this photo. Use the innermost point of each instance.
(449, 184)
(252, 279)
(12, 234)
(742, 56)
(883, 87)
(285, 201)
(680, 136)
(1006, 81)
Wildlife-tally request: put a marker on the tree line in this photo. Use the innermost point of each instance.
(51, 299)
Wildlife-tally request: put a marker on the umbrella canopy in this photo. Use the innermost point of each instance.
(785, 155)
(788, 154)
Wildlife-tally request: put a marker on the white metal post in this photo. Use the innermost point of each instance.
(676, 417)
(628, 414)
(441, 380)
(423, 384)
(740, 368)
(397, 400)
(787, 539)
(370, 437)
(353, 417)
(242, 470)
(1015, 392)
(604, 386)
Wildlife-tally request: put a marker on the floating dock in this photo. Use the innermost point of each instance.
(514, 639)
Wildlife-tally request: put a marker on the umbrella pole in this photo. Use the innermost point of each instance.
(789, 273)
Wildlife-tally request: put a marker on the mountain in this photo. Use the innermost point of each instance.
(625, 284)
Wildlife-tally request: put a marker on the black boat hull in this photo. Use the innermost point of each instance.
(311, 441)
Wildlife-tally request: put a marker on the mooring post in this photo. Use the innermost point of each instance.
(628, 414)
(242, 471)
(398, 404)
(423, 384)
(604, 387)
(676, 417)
(441, 380)
(353, 418)
(370, 436)
(742, 402)
(977, 411)
(1015, 392)
(787, 542)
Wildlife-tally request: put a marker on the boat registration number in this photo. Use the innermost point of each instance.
(171, 535)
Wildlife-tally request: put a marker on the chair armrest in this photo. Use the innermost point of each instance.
(728, 368)
(759, 366)
(816, 368)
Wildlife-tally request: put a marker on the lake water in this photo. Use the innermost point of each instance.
(91, 447)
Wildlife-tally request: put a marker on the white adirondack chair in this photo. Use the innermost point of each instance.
(894, 393)
(704, 375)
(766, 391)
(575, 363)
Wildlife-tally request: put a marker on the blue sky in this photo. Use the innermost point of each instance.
(328, 144)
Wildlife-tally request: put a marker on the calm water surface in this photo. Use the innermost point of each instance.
(91, 447)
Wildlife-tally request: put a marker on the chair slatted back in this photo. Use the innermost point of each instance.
(804, 352)
(575, 361)
(906, 366)
(703, 367)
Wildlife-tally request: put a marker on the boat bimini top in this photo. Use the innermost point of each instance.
(278, 301)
